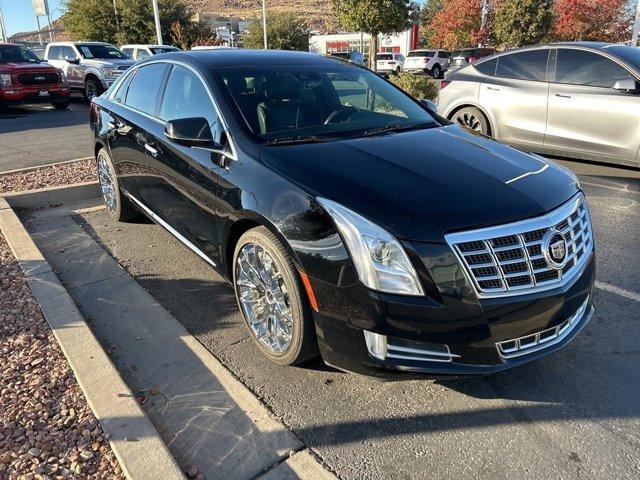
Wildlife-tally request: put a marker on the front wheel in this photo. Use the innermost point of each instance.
(92, 88)
(271, 298)
(118, 206)
(472, 119)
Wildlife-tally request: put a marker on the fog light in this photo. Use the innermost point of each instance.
(5, 79)
(376, 344)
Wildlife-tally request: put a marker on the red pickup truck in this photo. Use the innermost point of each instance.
(26, 79)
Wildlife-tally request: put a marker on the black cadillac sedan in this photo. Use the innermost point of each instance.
(352, 221)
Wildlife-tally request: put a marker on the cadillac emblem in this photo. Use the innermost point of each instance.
(554, 249)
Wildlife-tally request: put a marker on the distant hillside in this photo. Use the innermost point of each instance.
(317, 13)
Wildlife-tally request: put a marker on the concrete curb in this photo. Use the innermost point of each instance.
(38, 167)
(135, 441)
(53, 196)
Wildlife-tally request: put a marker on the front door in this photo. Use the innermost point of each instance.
(587, 118)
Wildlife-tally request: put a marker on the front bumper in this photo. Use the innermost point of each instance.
(468, 328)
(16, 95)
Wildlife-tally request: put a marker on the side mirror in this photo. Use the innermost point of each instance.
(626, 85)
(72, 60)
(191, 132)
(430, 104)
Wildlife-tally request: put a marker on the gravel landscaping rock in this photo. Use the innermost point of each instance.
(47, 430)
(51, 176)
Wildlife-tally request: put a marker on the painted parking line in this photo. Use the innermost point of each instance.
(610, 187)
(618, 291)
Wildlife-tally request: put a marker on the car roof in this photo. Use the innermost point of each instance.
(239, 57)
(145, 45)
(78, 43)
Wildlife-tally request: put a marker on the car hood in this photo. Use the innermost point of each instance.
(26, 67)
(422, 184)
(107, 63)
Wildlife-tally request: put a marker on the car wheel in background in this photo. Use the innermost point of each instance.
(471, 118)
(271, 298)
(397, 72)
(118, 206)
(61, 105)
(92, 88)
(436, 71)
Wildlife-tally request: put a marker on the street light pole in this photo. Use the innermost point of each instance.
(156, 15)
(636, 26)
(264, 23)
(5, 35)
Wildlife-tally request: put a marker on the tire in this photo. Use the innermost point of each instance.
(472, 119)
(397, 72)
(436, 71)
(282, 299)
(119, 207)
(61, 105)
(92, 88)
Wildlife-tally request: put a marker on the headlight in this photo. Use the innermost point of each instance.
(381, 262)
(5, 79)
(108, 72)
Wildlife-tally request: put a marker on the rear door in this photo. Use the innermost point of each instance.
(587, 117)
(516, 97)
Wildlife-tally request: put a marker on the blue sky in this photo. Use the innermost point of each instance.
(19, 16)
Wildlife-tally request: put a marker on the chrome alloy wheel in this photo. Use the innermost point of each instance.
(469, 120)
(264, 298)
(106, 183)
(91, 90)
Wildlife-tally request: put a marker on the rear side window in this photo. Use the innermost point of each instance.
(143, 89)
(579, 67)
(488, 67)
(531, 65)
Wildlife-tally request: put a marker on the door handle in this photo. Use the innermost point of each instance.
(493, 88)
(562, 96)
(151, 148)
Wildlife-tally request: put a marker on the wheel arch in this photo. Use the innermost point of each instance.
(92, 76)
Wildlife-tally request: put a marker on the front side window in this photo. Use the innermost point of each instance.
(289, 102)
(580, 67)
(101, 51)
(528, 65)
(67, 53)
(142, 53)
(17, 54)
(185, 96)
(143, 89)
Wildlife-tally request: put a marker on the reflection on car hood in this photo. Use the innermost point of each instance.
(419, 185)
(21, 67)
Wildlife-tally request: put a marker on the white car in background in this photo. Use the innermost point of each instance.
(432, 62)
(138, 52)
(389, 62)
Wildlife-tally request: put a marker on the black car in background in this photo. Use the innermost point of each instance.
(466, 56)
(351, 220)
(353, 57)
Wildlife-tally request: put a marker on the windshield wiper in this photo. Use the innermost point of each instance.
(397, 127)
(301, 139)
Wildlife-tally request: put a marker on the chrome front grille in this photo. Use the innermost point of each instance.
(517, 347)
(511, 259)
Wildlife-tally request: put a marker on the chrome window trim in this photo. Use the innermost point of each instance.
(233, 155)
(156, 218)
(518, 229)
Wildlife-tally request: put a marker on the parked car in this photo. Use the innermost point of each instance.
(24, 78)
(353, 57)
(389, 62)
(576, 100)
(89, 67)
(138, 52)
(469, 55)
(350, 219)
(433, 62)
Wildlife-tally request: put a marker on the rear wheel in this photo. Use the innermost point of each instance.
(118, 206)
(473, 119)
(436, 71)
(270, 296)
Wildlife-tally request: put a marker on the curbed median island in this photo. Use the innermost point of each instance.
(47, 429)
(54, 175)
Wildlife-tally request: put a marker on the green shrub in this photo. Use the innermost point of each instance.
(418, 86)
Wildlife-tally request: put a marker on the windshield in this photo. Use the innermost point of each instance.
(101, 51)
(422, 53)
(159, 50)
(17, 54)
(630, 54)
(328, 101)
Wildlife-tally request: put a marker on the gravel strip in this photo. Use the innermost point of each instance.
(51, 176)
(47, 430)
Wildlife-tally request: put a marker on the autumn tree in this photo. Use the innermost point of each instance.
(603, 20)
(374, 17)
(521, 22)
(427, 13)
(284, 32)
(458, 24)
(191, 35)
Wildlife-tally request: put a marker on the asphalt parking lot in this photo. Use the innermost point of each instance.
(571, 415)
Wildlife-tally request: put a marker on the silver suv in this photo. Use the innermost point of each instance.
(577, 100)
(90, 67)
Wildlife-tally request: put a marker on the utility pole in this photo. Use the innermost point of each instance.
(39, 30)
(264, 23)
(156, 15)
(636, 26)
(5, 35)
